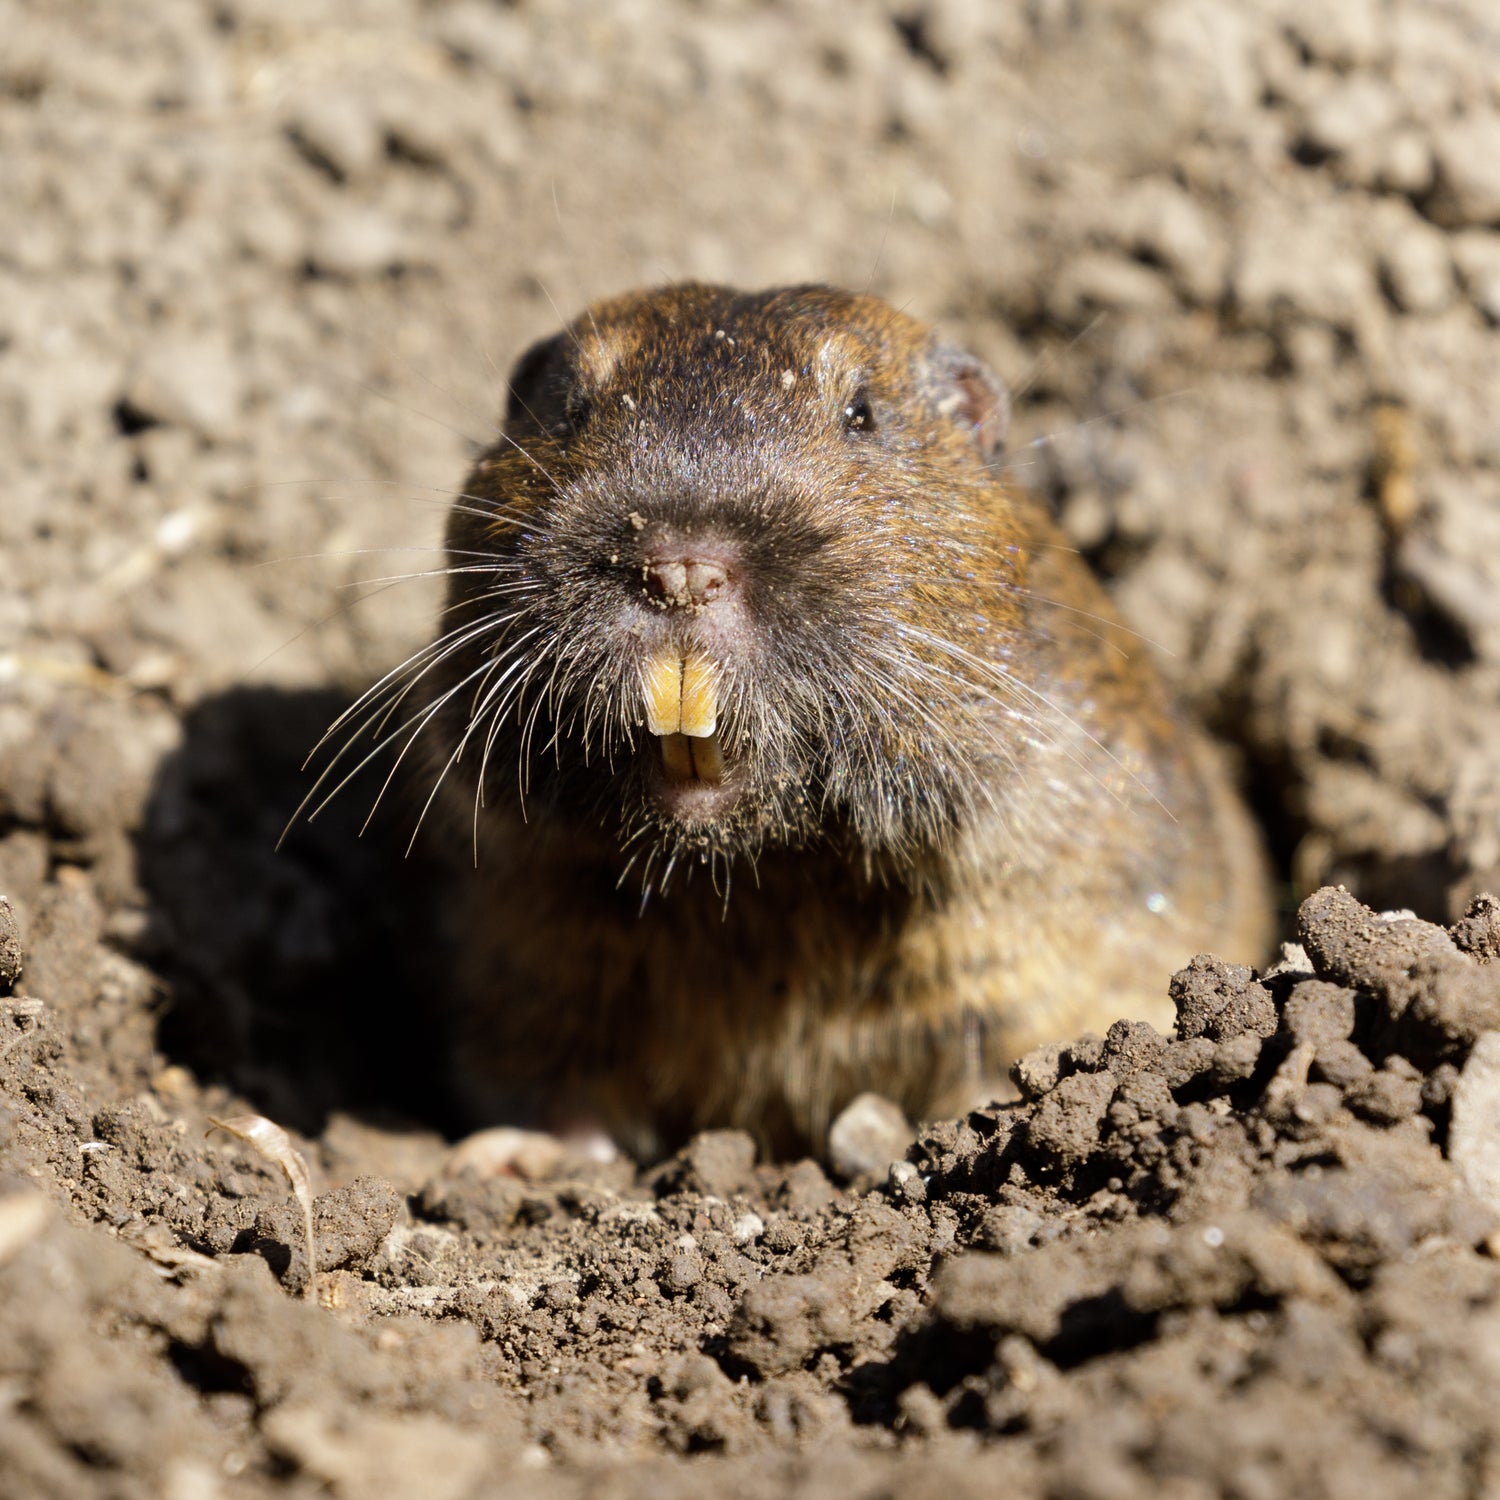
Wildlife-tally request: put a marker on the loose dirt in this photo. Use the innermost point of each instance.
(262, 263)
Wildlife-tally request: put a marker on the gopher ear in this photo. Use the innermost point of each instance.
(973, 397)
(536, 395)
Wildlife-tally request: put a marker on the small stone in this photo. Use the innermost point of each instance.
(1293, 960)
(747, 1228)
(505, 1150)
(174, 1083)
(1474, 1126)
(869, 1132)
(906, 1183)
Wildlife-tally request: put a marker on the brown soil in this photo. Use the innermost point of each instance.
(261, 262)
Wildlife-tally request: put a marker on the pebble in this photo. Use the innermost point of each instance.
(1474, 1126)
(868, 1135)
(747, 1228)
(906, 1182)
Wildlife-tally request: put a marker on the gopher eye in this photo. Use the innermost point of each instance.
(857, 415)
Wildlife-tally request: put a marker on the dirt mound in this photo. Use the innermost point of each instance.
(1251, 1259)
(262, 263)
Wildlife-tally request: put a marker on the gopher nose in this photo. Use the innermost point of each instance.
(685, 582)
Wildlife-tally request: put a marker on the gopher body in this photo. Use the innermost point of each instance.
(785, 750)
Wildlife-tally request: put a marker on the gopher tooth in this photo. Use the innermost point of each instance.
(707, 760)
(700, 697)
(677, 757)
(697, 759)
(682, 694)
(662, 680)
(682, 711)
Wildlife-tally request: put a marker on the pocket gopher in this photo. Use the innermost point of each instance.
(789, 750)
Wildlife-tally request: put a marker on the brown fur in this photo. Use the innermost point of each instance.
(966, 816)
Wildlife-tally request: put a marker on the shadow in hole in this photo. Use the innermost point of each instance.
(966, 1361)
(305, 977)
